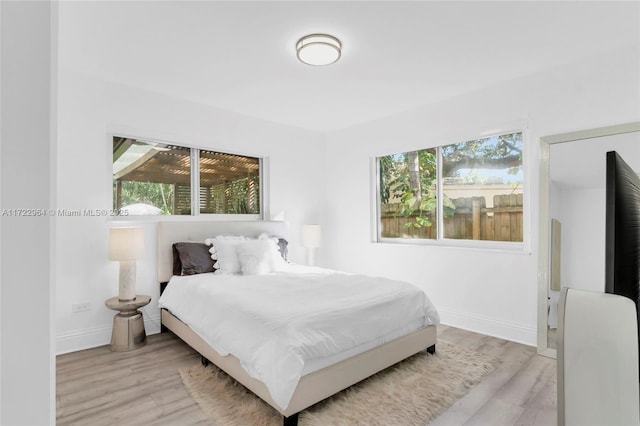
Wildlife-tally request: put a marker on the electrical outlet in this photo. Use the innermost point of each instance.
(80, 307)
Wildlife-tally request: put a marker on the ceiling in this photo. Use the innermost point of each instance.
(397, 56)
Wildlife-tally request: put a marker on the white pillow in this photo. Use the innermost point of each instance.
(277, 259)
(209, 241)
(223, 250)
(259, 256)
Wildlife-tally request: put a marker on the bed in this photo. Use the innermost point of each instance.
(296, 377)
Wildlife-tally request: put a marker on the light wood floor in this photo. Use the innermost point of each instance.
(143, 387)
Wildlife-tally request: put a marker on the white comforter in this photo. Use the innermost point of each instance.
(274, 323)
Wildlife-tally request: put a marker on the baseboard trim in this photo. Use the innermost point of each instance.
(507, 330)
(78, 340)
(99, 336)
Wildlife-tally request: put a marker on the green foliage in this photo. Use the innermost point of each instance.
(416, 195)
(240, 196)
(386, 166)
(504, 151)
(417, 199)
(449, 209)
(159, 195)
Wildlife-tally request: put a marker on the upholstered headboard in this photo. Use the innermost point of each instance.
(174, 231)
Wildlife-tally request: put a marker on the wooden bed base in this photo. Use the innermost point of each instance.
(321, 384)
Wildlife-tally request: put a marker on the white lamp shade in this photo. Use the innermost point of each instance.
(126, 243)
(311, 236)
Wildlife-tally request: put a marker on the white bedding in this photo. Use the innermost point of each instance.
(279, 323)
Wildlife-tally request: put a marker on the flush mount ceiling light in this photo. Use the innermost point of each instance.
(318, 49)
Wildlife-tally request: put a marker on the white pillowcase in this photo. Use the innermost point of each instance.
(259, 256)
(223, 250)
(210, 241)
(239, 254)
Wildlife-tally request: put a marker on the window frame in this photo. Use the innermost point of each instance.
(263, 163)
(508, 246)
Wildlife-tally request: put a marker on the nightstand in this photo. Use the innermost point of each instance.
(128, 325)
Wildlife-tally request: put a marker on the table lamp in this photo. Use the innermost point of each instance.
(126, 245)
(311, 237)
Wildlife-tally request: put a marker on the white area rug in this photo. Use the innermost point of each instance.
(412, 392)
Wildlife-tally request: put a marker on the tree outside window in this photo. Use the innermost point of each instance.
(481, 191)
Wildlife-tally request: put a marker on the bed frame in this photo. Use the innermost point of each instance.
(313, 387)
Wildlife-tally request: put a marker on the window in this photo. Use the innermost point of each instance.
(471, 190)
(408, 207)
(151, 178)
(229, 183)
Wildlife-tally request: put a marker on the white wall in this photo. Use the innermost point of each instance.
(583, 238)
(488, 291)
(27, 367)
(91, 110)
(492, 292)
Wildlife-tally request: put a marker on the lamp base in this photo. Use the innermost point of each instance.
(311, 256)
(127, 281)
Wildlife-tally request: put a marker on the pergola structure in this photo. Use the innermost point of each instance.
(228, 183)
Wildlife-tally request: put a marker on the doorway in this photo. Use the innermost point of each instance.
(572, 215)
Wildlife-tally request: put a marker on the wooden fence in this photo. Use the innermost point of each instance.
(472, 220)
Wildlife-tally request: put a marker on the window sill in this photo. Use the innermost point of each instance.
(194, 218)
(495, 246)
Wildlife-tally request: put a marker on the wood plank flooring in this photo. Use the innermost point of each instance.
(143, 387)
